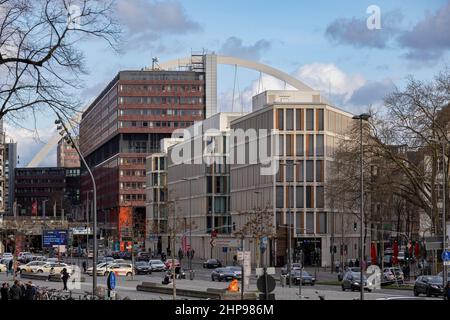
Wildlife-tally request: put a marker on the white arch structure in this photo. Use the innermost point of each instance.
(173, 64)
(299, 85)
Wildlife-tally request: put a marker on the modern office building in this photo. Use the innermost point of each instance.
(67, 156)
(10, 167)
(122, 127)
(308, 130)
(199, 190)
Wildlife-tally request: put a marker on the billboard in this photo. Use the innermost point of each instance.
(52, 238)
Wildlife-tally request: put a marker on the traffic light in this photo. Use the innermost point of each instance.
(355, 226)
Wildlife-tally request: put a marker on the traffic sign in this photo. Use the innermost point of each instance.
(445, 255)
(262, 284)
(225, 242)
(111, 282)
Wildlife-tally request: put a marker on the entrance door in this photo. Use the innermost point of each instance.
(311, 248)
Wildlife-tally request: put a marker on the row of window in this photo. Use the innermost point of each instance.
(132, 197)
(287, 118)
(320, 226)
(161, 87)
(160, 112)
(40, 181)
(176, 76)
(291, 171)
(298, 145)
(300, 197)
(161, 100)
(155, 124)
(132, 161)
(132, 173)
(132, 185)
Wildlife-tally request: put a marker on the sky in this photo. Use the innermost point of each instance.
(326, 44)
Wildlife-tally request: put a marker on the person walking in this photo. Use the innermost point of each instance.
(9, 270)
(180, 254)
(5, 291)
(15, 292)
(30, 292)
(84, 266)
(65, 276)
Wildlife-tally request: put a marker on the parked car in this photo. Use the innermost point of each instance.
(157, 265)
(115, 254)
(101, 269)
(143, 256)
(106, 259)
(32, 266)
(142, 267)
(125, 255)
(53, 267)
(212, 264)
(7, 255)
(305, 277)
(227, 273)
(352, 280)
(169, 263)
(294, 266)
(399, 276)
(24, 257)
(121, 269)
(388, 277)
(38, 258)
(429, 285)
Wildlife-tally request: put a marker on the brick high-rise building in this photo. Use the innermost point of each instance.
(121, 128)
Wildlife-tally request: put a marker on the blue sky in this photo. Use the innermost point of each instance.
(324, 43)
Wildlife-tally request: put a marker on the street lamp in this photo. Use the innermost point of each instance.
(191, 275)
(68, 138)
(444, 200)
(361, 117)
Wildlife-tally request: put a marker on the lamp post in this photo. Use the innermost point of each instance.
(68, 138)
(444, 200)
(361, 117)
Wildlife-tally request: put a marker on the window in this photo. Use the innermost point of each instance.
(280, 173)
(289, 119)
(320, 120)
(279, 197)
(319, 145)
(322, 222)
(310, 145)
(300, 146)
(280, 145)
(309, 119)
(299, 173)
(309, 171)
(299, 197)
(320, 200)
(280, 118)
(290, 171)
(289, 145)
(319, 171)
(299, 119)
(309, 197)
(290, 195)
(309, 222)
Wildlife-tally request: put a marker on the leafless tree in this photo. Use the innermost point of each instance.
(41, 59)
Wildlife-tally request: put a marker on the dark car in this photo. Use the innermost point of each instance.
(294, 266)
(142, 267)
(115, 254)
(305, 277)
(429, 285)
(212, 263)
(352, 281)
(143, 256)
(227, 273)
(125, 255)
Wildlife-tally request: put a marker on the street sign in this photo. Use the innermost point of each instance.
(111, 282)
(445, 255)
(225, 242)
(264, 285)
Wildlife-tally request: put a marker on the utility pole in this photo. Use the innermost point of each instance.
(361, 117)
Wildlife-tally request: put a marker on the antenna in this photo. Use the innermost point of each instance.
(155, 62)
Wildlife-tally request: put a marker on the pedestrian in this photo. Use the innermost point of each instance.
(84, 266)
(5, 291)
(30, 292)
(350, 264)
(65, 276)
(180, 254)
(169, 252)
(10, 267)
(356, 262)
(447, 291)
(15, 292)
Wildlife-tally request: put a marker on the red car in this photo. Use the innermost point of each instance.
(169, 263)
